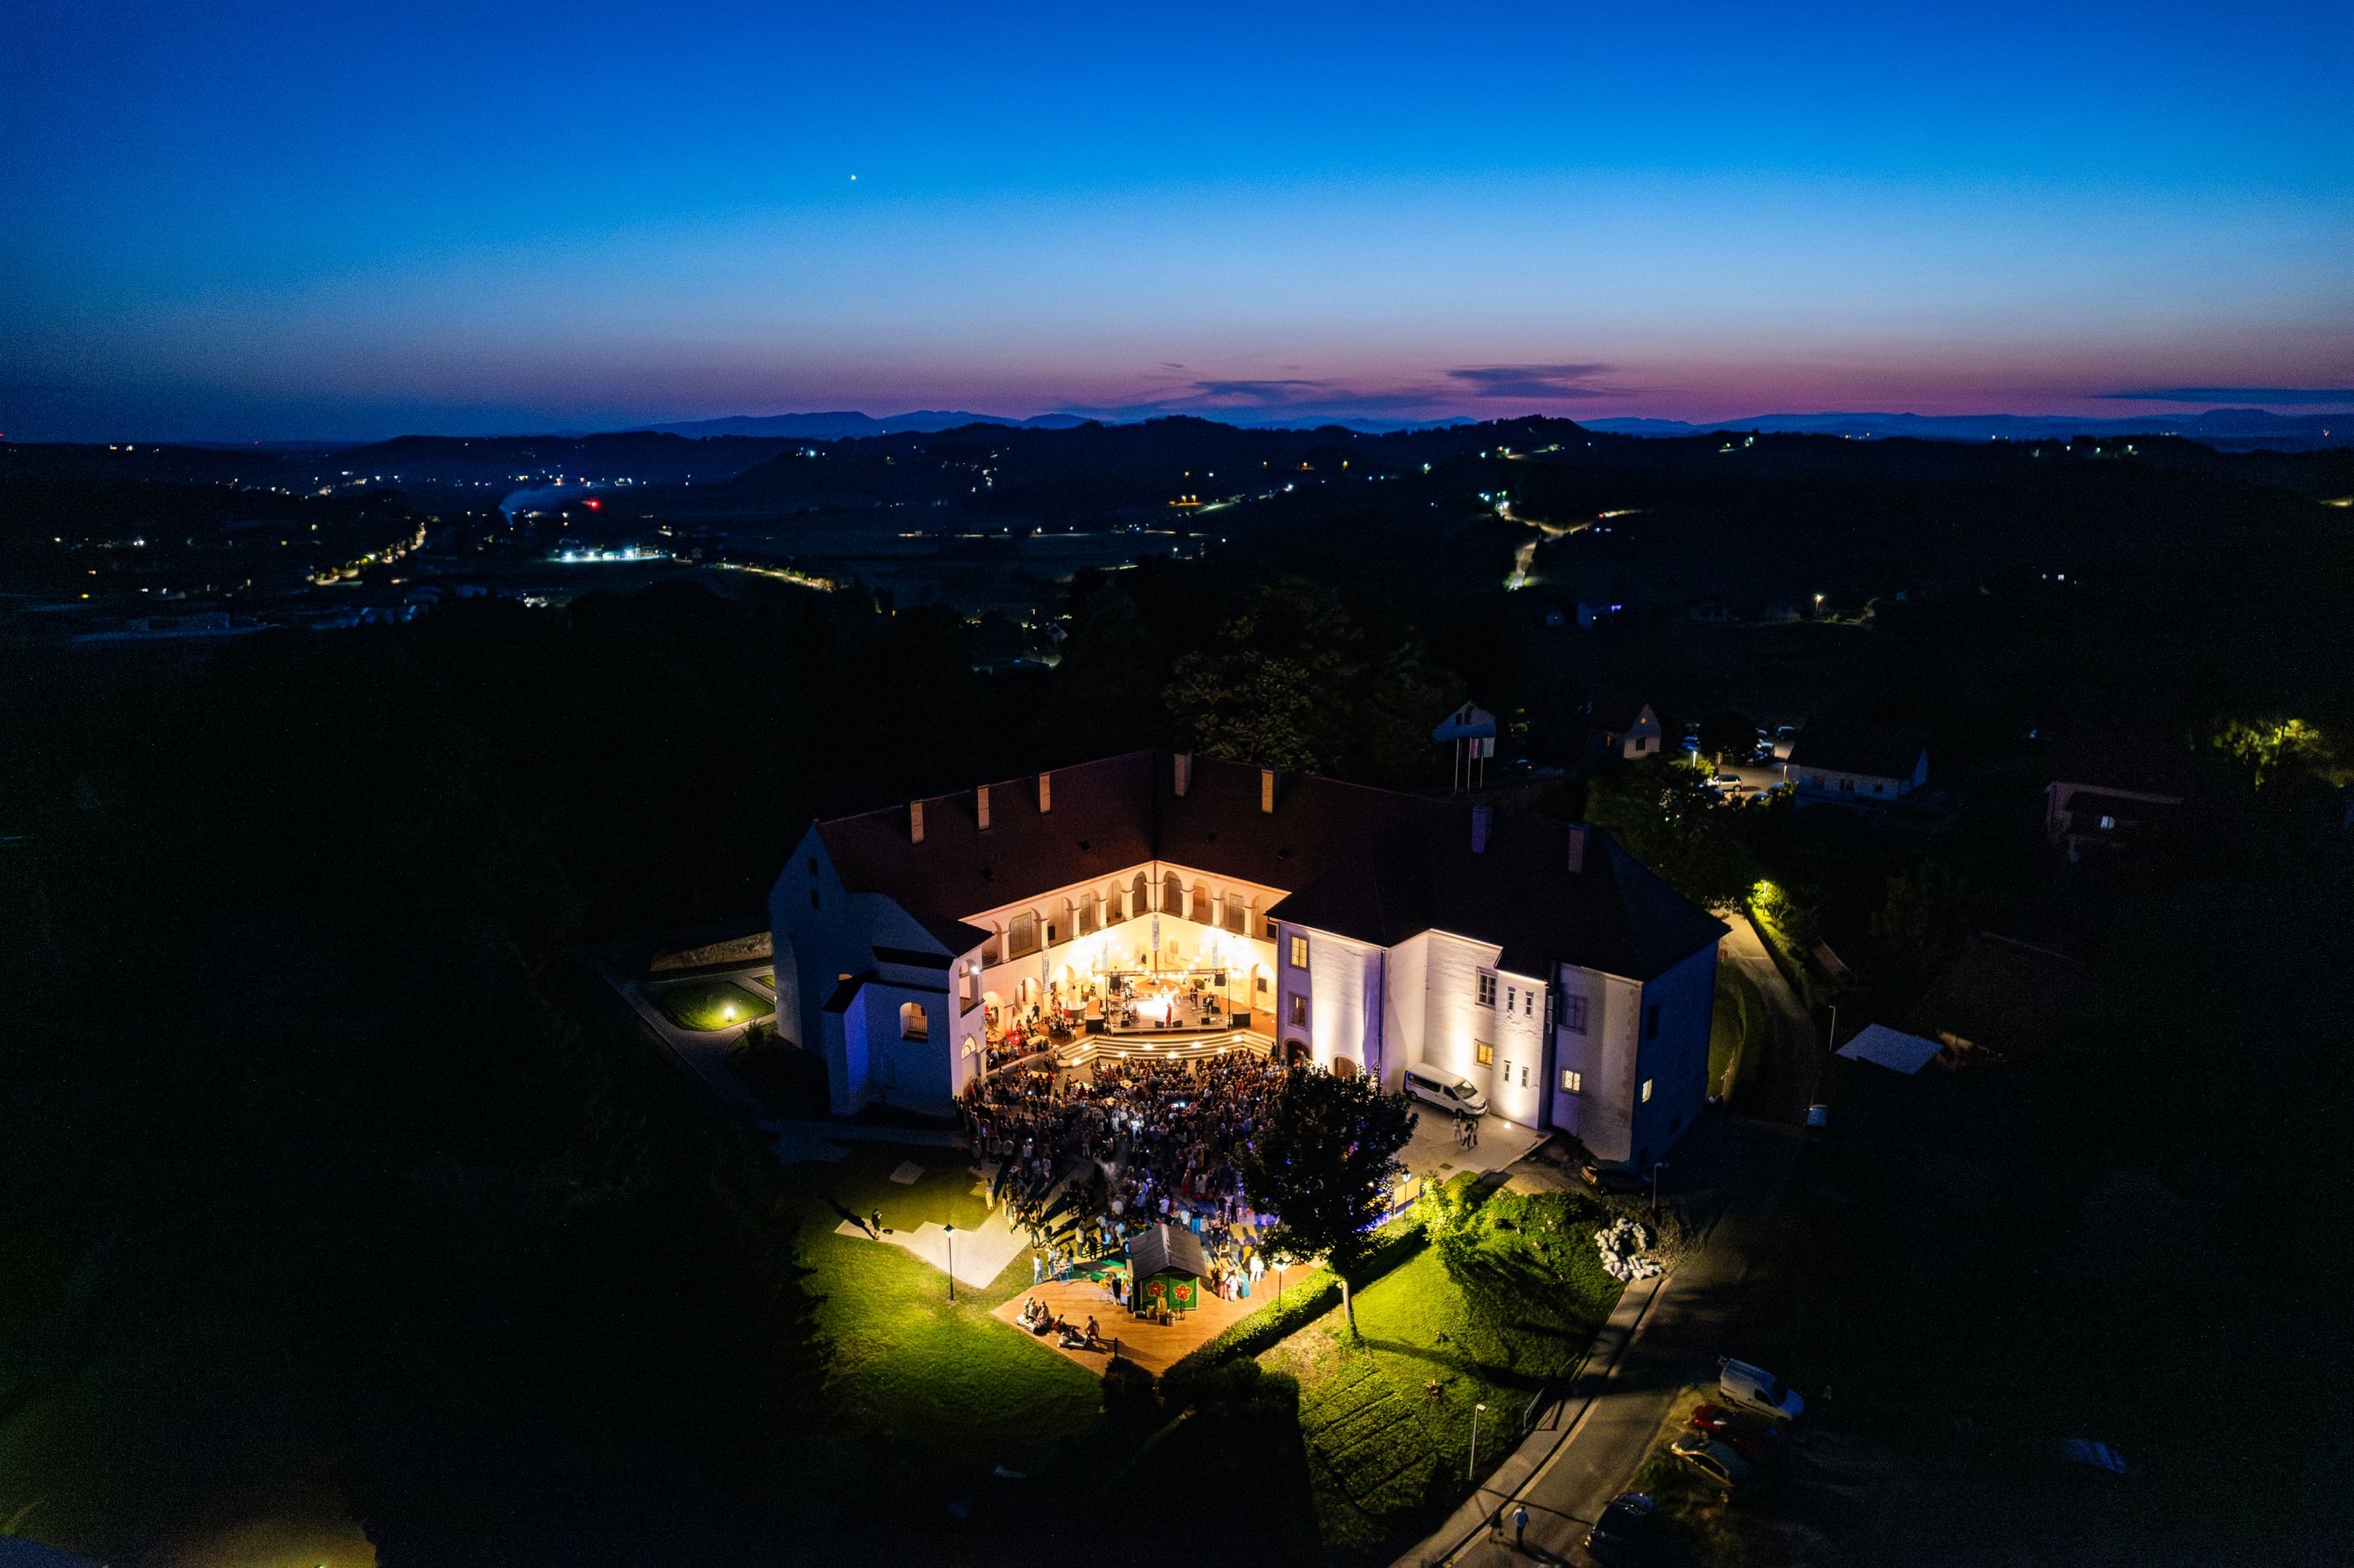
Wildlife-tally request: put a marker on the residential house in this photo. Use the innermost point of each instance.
(1855, 765)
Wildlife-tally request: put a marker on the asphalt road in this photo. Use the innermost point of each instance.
(1744, 1168)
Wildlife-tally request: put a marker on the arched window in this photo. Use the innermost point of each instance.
(1201, 913)
(1058, 922)
(1140, 894)
(1172, 895)
(1237, 910)
(971, 1047)
(912, 1024)
(1086, 914)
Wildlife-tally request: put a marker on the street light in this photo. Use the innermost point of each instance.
(1662, 1165)
(1473, 1467)
(951, 1228)
(1833, 1040)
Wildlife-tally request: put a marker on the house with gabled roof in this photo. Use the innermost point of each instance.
(1864, 765)
(1161, 905)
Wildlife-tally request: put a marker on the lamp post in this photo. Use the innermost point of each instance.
(1472, 1468)
(951, 1228)
(1662, 1165)
(1833, 1040)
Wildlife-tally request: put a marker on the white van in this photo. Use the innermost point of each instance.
(1757, 1389)
(1447, 1089)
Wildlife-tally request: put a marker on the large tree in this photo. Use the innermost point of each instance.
(1663, 811)
(1322, 1162)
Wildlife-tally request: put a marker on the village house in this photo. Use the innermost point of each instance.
(1855, 765)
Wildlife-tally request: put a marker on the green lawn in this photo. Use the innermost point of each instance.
(712, 1004)
(932, 1394)
(1505, 1305)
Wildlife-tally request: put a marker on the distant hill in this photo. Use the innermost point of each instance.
(2227, 429)
(847, 424)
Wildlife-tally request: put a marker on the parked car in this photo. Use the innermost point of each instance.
(1819, 1123)
(1614, 1178)
(1443, 1088)
(1756, 1438)
(1711, 1458)
(1755, 1388)
(1622, 1536)
(1725, 781)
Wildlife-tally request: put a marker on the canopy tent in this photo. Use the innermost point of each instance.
(1167, 1265)
(1892, 1049)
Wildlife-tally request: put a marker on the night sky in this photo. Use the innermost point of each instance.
(302, 220)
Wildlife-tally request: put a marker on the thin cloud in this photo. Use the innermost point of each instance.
(2314, 395)
(1532, 381)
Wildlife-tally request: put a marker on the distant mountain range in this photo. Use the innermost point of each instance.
(846, 424)
(2224, 428)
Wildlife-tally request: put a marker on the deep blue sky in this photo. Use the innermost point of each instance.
(277, 219)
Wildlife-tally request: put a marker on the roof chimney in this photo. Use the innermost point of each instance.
(981, 805)
(914, 822)
(1184, 770)
(1267, 790)
(1480, 830)
(1045, 793)
(1577, 848)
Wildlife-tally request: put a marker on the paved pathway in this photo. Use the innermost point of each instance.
(981, 1251)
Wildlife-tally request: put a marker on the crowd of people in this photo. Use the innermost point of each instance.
(1091, 1156)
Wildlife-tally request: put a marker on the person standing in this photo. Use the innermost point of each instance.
(1521, 1527)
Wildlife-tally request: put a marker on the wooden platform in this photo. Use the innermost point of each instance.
(1148, 1344)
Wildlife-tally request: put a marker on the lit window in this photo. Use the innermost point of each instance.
(1571, 1081)
(1299, 1011)
(1486, 1054)
(1298, 952)
(1487, 989)
(1647, 1091)
(971, 1047)
(1572, 1015)
(912, 1024)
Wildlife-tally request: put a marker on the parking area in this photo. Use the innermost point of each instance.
(1435, 1156)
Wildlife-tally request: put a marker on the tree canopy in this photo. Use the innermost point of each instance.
(1322, 1162)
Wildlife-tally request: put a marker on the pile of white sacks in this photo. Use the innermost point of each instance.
(1622, 1244)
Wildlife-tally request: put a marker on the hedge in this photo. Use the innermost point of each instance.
(1185, 1381)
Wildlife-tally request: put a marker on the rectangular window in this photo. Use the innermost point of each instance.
(1651, 1022)
(1529, 1002)
(1487, 989)
(1234, 912)
(1524, 1076)
(1299, 1011)
(1022, 934)
(1298, 952)
(1486, 1053)
(1572, 1015)
(1512, 999)
(1571, 1081)
(1647, 1091)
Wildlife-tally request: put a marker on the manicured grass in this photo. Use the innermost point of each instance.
(1504, 1303)
(712, 1004)
(931, 1394)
